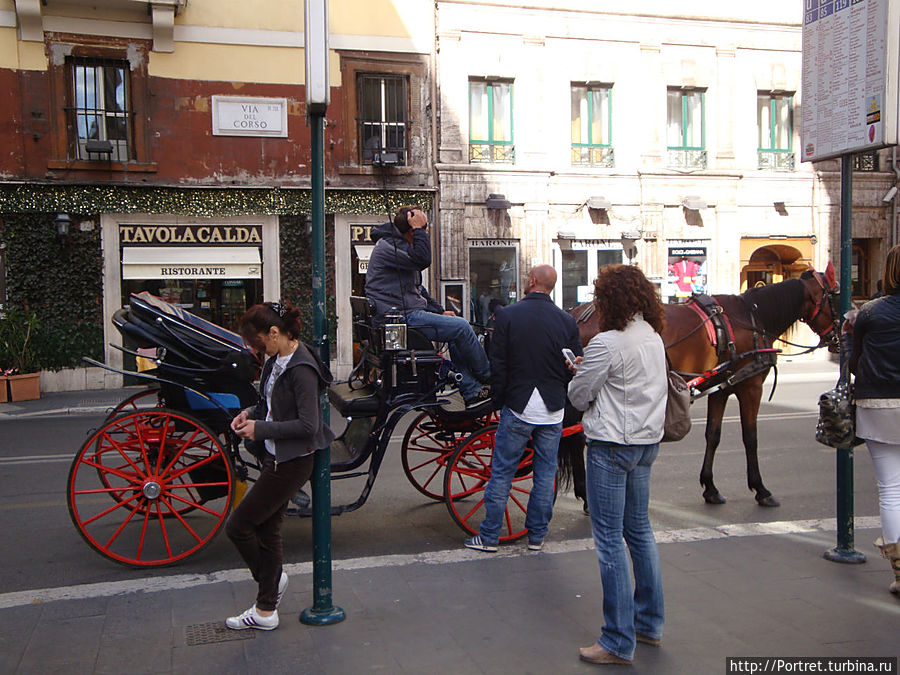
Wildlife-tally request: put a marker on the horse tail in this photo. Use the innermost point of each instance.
(570, 459)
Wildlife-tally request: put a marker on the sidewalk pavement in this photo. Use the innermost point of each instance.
(100, 401)
(730, 591)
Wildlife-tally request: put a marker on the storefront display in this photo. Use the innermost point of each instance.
(687, 273)
(493, 276)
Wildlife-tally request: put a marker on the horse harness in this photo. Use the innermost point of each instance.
(721, 336)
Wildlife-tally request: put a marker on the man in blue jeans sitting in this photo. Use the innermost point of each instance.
(394, 280)
(529, 377)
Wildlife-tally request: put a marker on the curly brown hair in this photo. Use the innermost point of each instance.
(620, 291)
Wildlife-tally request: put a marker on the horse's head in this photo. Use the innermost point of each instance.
(820, 309)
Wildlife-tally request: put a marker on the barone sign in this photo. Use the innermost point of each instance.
(244, 116)
(190, 235)
(851, 53)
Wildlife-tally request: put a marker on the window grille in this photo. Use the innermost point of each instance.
(382, 119)
(100, 112)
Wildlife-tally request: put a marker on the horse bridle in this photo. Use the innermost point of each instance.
(829, 296)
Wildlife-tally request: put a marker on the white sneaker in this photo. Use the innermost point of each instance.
(282, 587)
(252, 619)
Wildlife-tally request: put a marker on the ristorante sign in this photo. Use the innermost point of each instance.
(190, 235)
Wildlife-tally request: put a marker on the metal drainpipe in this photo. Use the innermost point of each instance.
(437, 262)
(894, 225)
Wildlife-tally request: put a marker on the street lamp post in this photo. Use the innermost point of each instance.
(323, 611)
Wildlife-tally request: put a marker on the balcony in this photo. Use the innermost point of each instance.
(486, 153)
(775, 160)
(686, 160)
(603, 156)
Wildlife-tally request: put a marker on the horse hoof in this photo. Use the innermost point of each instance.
(713, 498)
(768, 501)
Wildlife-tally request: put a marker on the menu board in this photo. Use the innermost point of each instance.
(845, 66)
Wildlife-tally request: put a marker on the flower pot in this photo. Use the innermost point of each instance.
(25, 387)
(4, 389)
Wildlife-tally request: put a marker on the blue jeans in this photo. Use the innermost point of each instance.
(509, 444)
(618, 490)
(466, 352)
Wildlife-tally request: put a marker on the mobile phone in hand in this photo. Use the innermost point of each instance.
(569, 355)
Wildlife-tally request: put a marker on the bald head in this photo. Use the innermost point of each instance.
(542, 278)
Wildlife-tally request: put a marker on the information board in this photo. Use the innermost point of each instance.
(850, 76)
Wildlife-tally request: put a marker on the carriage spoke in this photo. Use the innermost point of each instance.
(196, 465)
(180, 519)
(196, 505)
(112, 508)
(162, 443)
(162, 527)
(180, 452)
(118, 448)
(124, 523)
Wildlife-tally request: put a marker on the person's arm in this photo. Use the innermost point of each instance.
(499, 357)
(432, 305)
(305, 383)
(592, 373)
(415, 256)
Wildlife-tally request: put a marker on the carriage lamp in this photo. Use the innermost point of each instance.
(394, 330)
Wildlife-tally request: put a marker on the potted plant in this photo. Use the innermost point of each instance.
(20, 379)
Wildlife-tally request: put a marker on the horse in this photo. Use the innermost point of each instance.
(757, 318)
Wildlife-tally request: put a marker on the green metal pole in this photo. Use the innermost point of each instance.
(844, 551)
(323, 611)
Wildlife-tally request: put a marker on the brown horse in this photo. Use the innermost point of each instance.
(757, 317)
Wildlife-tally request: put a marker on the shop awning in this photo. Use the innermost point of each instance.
(170, 262)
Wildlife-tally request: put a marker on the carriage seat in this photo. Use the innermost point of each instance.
(363, 401)
(367, 328)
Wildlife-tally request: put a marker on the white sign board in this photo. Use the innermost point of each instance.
(850, 76)
(244, 116)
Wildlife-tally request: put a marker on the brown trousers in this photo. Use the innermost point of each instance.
(255, 525)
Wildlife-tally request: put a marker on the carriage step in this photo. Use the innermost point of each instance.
(354, 402)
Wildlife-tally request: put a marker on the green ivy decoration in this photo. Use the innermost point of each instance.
(60, 280)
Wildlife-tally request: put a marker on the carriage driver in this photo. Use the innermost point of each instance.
(393, 280)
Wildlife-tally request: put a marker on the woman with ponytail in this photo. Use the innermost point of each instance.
(290, 425)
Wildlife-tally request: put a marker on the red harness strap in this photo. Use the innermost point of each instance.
(709, 322)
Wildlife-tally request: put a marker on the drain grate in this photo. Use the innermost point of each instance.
(216, 631)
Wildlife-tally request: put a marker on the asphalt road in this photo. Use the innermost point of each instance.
(42, 549)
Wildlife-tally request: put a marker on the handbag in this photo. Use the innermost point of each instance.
(678, 406)
(836, 426)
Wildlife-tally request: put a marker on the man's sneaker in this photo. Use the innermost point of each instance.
(479, 398)
(476, 543)
(252, 619)
(535, 544)
(282, 587)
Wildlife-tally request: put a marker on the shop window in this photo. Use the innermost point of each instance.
(774, 118)
(382, 111)
(493, 278)
(687, 273)
(99, 94)
(382, 116)
(685, 128)
(490, 122)
(592, 125)
(577, 264)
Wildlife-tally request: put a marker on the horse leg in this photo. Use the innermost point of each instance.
(749, 394)
(715, 409)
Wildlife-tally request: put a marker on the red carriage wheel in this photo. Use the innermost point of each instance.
(140, 400)
(170, 481)
(426, 448)
(467, 475)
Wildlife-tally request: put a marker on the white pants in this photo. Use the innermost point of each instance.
(886, 464)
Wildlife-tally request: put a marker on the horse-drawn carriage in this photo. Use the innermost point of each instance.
(156, 481)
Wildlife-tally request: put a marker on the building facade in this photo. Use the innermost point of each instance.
(168, 139)
(579, 134)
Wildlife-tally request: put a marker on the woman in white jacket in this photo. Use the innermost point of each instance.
(621, 386)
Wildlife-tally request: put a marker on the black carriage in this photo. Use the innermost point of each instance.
(155, 483)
